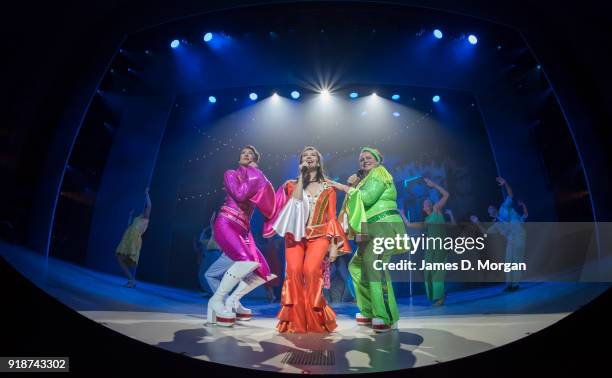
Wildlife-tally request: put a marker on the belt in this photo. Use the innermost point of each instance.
(381, 215)
(235, 216)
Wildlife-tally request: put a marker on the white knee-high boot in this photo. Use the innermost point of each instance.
(217, 312)
(248, 284)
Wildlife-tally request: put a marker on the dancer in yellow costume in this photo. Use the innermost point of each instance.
(128, 250)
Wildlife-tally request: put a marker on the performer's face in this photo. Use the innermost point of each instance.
(311, 158)
(427, 206)
(246, 156)
(367, 161)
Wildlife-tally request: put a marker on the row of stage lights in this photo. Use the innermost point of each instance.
(472, 39)
(324, 93)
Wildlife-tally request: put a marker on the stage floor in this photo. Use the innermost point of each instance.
(472, 321)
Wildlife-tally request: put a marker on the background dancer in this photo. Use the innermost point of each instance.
(434, 227)
(128, 250)
(508, 223)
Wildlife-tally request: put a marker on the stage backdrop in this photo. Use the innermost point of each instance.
(445, 141)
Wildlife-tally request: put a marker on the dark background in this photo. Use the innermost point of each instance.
(56, 51)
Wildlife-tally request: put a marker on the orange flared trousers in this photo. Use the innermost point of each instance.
(303, 307)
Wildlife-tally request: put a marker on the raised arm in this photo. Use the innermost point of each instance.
(438, 206)
(502, 182)
(525, 211)
(147, 209)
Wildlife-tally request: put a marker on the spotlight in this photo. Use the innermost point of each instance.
(472, 39)
(325, 93)
(253, 96)
(212, 99)
(396, 114)
(174, 44)
(275, 96)
(295, 95)
(438, 34)
(354, 95)
(395, 97)
(208, 36)
(435, 98)
(539, 67)
(374, 94)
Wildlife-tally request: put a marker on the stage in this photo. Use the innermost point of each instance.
(472, 321)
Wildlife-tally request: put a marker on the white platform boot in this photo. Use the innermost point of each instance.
(217, 312)
(362, 320)
(248, 284)
(379, 326)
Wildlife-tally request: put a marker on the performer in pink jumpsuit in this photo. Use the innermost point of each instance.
(247, 187)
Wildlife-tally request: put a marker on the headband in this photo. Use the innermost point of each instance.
(374, 152)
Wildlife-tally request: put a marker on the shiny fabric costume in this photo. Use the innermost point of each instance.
(372, 211)
(434, 279)
(308, 225)
(131, 242)
(246, 188)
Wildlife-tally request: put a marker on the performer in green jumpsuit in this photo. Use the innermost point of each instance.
(372, 212)
(434, 228)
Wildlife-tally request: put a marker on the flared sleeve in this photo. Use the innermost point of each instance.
(334, 229)
(292, 218)
(280, 199)
(264, 199)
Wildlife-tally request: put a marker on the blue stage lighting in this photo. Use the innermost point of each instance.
(174, 44)
(354, 95)
(253, 96)
(212, 99)
(295, 95)
(438, 34)
(395, 97)
(396, 114)
(208, 36)
(472, 39)
(435, 98)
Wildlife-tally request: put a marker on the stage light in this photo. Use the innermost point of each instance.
(437, 33)
(174, 44)
(396, 114)
(253, 96)
(208, 36)
(539, 67)
(374, 94)
(354, 95)
(212, 99)
(275, 96)
(325, 93)
(295, 95)
(435, 98)
(395, 97)
(472, 39)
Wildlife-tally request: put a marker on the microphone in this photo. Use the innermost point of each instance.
(360, 175)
